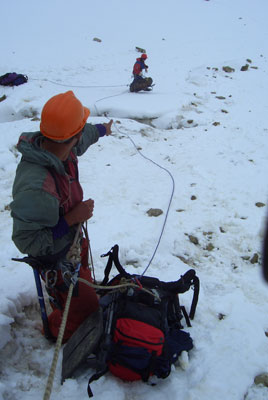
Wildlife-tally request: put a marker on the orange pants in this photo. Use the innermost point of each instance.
(84, 301)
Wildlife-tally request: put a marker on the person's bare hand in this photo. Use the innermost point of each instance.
(80, 213)
(108, 127)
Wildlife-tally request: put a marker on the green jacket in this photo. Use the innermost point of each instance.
(42, 191)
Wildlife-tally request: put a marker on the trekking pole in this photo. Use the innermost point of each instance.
(42, 304)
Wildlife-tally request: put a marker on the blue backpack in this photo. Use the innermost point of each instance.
(13, 79)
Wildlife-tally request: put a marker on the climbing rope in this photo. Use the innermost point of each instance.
(120, 286)
(50, 379)
(76, 86)
(170, 198)
(74, 258)
(156, 164)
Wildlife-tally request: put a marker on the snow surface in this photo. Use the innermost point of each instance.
(207, 128)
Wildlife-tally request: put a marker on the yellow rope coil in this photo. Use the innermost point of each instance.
(58, 346)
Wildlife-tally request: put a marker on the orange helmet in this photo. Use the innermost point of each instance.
(144, 56)
(63, 116)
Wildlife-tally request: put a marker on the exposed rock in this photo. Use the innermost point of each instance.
(193, 197)
(3, 98)
(180, 210)
(183, 259)
(209, 247)
(95, 39)
(220, 97)
(224, 111)
(210, 233)
(222, 230)
(249, 60)
(154, 212)
(35, 119)
(29, 112)
(254, 259)
(228, 69)
(244, 68)
(259, 204)
(221, 316)
(261, 379)
(140, 49)
(216, 123)
(253, 67)
(193, 239)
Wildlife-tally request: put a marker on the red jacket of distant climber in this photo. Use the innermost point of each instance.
(139, 66)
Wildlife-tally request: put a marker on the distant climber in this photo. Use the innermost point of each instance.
(139, 81)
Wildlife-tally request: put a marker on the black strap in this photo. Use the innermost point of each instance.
(196, 284)
(116, 261)
(95, 377)
(113, 257)
(186, 316)
(107, 268)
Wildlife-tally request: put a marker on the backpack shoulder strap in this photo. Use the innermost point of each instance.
(93, 378)
(113, 258)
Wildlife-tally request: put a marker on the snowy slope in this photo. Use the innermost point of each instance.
(206, 127)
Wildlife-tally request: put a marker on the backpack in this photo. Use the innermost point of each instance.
(13, 79)
(140, 84)
(142, 331)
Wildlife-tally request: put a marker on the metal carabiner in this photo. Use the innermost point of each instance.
(51, 277)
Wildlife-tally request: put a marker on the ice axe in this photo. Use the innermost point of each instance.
(35, 264)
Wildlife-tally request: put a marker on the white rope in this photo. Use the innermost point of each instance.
(50, 379)
(72, 254)
(75, 86)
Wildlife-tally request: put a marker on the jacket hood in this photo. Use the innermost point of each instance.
(29, 146)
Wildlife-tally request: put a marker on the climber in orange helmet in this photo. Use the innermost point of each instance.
(48, 202)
